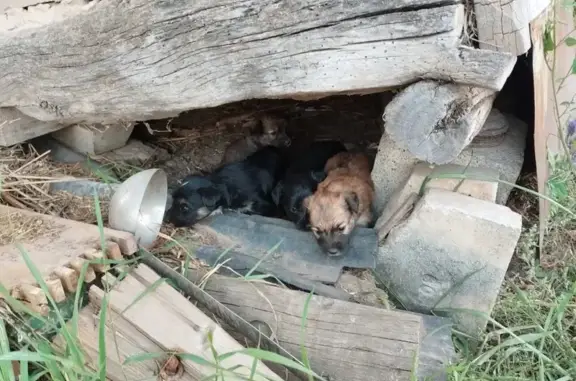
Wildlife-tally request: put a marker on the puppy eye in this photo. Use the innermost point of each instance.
(184, 207)
(294, 209)
(340, 228)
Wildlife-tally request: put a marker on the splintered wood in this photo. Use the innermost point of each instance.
(146, 315)
(59, 249)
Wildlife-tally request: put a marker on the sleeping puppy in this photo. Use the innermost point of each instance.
(244, 187)
(341, 202)
(271, 131)
(301, 179)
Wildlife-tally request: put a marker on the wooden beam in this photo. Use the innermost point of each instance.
(344, 340)
(115, 60)
(436, 121)
(504, 25)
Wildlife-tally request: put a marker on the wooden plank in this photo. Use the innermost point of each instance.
(158, 66)
(17, 127)
(436, 121)
(121, 341)
(56, 242)
(167, 318)
(503, 25)
(553, 100)
(345, 341)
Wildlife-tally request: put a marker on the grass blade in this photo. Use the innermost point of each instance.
(143, 357)
(102, 338)
(70, 340)
(6, 371)
(264, 355)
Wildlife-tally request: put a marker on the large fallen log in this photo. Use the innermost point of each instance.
(436, 121)
(106, 61)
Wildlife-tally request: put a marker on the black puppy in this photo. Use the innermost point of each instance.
(302, 177)
(244, 186)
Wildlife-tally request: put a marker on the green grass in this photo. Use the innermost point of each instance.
(532, 330)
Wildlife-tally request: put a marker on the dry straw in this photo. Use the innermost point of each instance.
(26, 176)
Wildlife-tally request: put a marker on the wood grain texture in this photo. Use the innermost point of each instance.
(436, 121)
(168, 319)
(133, 60)
(504, 25)
(122, 341)
(345, 341)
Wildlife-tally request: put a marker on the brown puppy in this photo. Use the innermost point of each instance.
(270, 132)
(341, 202)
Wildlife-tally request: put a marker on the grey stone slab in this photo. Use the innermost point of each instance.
(451, 253)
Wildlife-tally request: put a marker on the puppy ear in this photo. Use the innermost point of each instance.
(352, 201)
(210, 196)
(276, 192)
(318, 176)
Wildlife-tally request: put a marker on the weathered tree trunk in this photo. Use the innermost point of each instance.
(108, 61)
(436, 121)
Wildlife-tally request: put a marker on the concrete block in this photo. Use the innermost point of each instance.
(392, 167)
(452, 252)
(393, 164)
(135, 153)
(472, 186)
(507, 157)
(94, 139)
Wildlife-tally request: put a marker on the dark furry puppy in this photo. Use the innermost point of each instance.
(243, 186)
(301, 179)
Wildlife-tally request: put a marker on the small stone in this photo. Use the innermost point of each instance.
(361, 285)
(113, 251)
(452, 252)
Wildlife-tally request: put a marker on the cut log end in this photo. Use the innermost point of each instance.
(436, 121)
